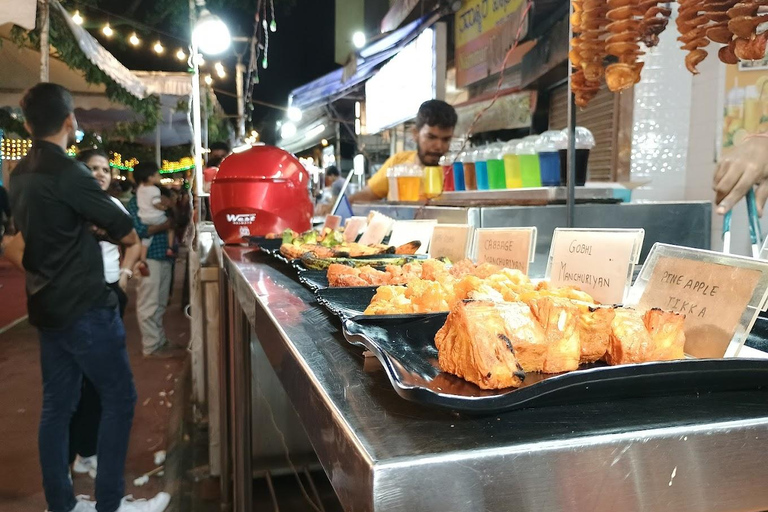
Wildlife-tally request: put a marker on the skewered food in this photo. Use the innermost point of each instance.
(430, 269)
(345, 250)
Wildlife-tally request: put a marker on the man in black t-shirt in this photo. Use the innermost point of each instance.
(55, 203)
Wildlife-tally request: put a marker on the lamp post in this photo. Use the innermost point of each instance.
(211, 36)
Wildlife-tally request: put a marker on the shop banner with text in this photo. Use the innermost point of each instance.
(485, 31)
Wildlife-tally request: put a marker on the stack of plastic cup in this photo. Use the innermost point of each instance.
(447, 165)
(481, 168)
(458, 174)
(470, 178)
(512, 164)
(585, 141)
(547, 147)
(494, 156)
(530, 171)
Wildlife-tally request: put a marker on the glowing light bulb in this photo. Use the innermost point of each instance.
(181, 55)
(208, 80)
(107, 30)
(77, 18)
(220, 71)
(158, 48)
(134, 39)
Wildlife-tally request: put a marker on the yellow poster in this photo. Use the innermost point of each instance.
(746, 102)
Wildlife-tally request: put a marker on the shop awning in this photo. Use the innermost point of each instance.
(316, 125)
(101, 58)
(367, 61)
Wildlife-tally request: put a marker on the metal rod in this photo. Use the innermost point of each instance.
(240, 71)
(570, 220)
(45, 25)
(314, 489)
(272, 493)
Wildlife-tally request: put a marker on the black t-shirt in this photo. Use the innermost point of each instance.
(54, 200)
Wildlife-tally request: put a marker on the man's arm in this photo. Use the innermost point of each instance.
(13, 250)
(132, 244)
(83, 194)
(365, 195)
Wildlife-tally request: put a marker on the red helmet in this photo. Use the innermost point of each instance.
(259, 191)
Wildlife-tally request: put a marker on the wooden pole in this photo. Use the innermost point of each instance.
(44, 22)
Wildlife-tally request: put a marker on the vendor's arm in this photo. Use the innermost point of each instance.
(738, 172)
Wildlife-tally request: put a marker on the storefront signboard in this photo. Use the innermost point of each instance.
(719, 294)
(485, 31)
(450, 241)
(597, 261)
(506, 247)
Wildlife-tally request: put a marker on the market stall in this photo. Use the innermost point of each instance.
(382, 452)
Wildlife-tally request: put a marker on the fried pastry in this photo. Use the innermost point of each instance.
(667, 334)
(474, 344)
(638, 338)
(558, 317)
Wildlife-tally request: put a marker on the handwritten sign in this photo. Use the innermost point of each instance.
(379, 226)
(450, 241)
(404, 231)
(712, 297)
(599, 262)
(332, 222)
(506, 247)
(353, 226)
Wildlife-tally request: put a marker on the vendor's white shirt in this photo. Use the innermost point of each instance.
(111, 253)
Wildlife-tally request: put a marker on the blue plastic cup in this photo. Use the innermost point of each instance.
(549, 163)
(458, 176)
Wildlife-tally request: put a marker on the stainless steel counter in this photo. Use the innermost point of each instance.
(382, 453)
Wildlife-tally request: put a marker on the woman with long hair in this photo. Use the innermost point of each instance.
(84, 427)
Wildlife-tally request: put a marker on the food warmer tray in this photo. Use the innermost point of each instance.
(404, 344)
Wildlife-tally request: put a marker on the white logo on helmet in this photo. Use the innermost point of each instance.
(245, 231)
(240, 219)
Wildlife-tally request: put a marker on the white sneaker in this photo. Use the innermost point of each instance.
(84, 504)
(85, 465)
(156, 504)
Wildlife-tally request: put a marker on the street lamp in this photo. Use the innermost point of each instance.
(209, 35)
(294, 114)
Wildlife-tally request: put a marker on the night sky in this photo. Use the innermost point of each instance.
(300, 51)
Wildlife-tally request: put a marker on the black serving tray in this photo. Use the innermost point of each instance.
(404, 344)
(314, 279)
(345, 302)
(267, 245)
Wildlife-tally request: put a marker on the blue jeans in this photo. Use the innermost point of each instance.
(94, 345)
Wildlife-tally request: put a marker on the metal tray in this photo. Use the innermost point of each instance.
(267, 245)
(404, 344)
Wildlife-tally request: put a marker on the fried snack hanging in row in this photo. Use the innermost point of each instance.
(743, 22)
(655, 20)
(587, 48)
(692, 26)
(623, 43)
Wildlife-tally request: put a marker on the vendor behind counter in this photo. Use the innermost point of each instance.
(433, 132)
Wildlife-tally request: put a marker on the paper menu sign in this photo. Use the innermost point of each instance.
(353, 226)
(404, 231)
(506, 247)
(450, 241)
(719, 295)
(599, 262)
(379, 227)
(332, 222)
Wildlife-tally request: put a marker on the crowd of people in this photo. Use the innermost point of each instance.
(79, 247)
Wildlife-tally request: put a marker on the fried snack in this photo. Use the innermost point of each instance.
(666, 330)
(389, 300)
(584, 90)
(625, 31)
(474, 344)
(630, 341)
(559, 319)
(594, 325)
(727, 55)
(588, 48)
(655, 20)
(692, 24)
(636, 338)
(751, 49)
(565, 292)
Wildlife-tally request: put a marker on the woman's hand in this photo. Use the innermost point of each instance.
(742, 169)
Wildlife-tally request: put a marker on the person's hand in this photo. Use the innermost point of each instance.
(123, 282)
(323, 209)
(742, 169)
